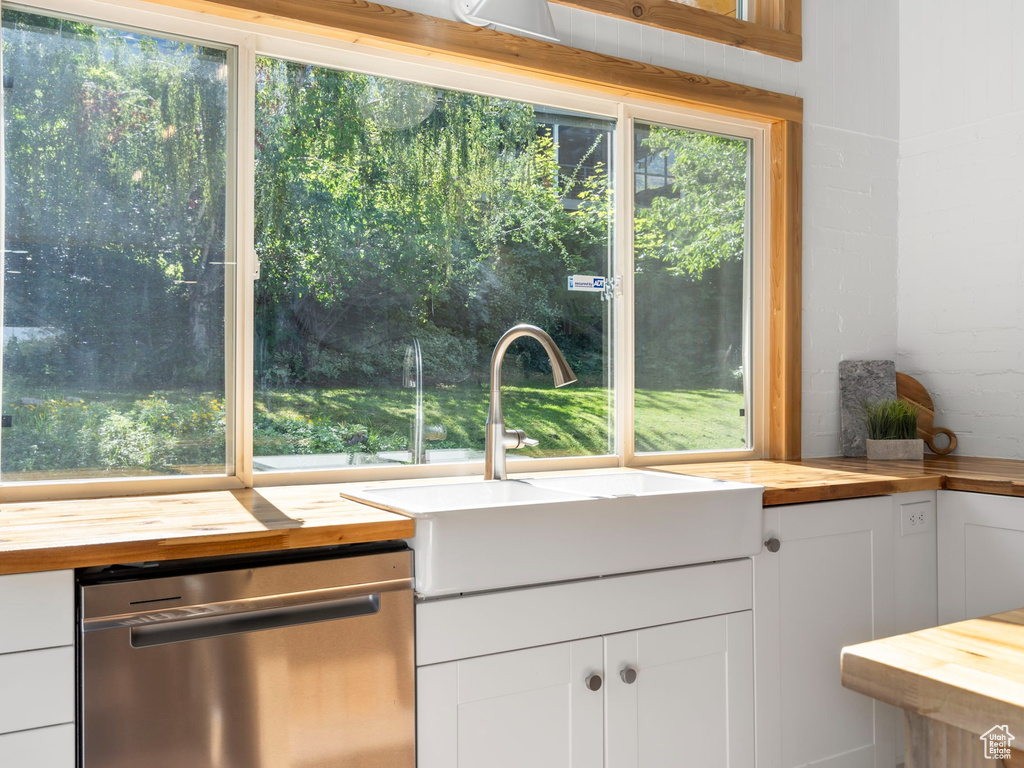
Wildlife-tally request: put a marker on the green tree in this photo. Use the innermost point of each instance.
(116, 201)
(699, 221)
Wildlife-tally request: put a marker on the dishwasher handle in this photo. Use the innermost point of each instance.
(177, 623)
(218, 625)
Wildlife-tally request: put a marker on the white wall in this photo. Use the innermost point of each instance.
(961, 222)
(851, 100)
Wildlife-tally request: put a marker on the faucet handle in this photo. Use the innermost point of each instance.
(518, 439)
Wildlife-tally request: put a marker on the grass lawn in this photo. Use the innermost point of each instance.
(170, 431)
(681, 420)
(571, 421)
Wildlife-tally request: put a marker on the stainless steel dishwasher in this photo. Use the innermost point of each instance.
(249, 663)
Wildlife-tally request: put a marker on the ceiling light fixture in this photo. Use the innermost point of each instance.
(528, 17)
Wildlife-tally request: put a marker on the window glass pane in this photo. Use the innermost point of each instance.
(401, 230)
(115, 256)
(691, 212)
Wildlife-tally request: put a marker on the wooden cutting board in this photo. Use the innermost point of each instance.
(910, 389)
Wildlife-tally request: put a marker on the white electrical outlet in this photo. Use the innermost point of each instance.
(917, 518)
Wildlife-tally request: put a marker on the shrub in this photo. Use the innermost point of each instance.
(125, 441)
(281, 434)
(53, 434)
(154, 434)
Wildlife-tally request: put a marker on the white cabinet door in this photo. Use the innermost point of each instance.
(52, 747)
(522, 709)
(692, 700)
(830, 585)
(37, 688)
(37, 610)
(37, 670)
(981, 555)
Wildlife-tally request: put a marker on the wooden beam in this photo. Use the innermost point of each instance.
(786, 225)
(779, 37)
(380, 26)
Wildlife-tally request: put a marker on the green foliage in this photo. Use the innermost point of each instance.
(701, 224)
(115, 148)
(445, 222)
(44, 361)
(891, 420)
(125, 441)
(153, 435)
(52, 434)
(384, 212)
(284, 434)
(571, 421)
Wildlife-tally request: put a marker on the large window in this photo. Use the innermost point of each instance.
(242, 260)
(401, 229)
(115, 252)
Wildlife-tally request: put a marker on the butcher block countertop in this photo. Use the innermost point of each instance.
(967, 676)
(796, 482)
(50, 535)
(40, 536)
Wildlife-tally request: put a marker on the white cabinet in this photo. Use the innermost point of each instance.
(981, 555)
(691, 702)
(37, 670)
(37, 610)
(564, 702)
(830, 584)
(520, 708)
(680, 694)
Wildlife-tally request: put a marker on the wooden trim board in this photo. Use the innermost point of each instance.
(784, 347)
(380, 26)
(776, 32)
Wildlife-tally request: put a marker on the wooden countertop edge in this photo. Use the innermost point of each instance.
(915, 691)
(850, 490)
(48, 558)
(984, 485)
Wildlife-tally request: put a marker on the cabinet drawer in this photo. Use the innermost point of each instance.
(496, 622)
(37, 610)
(52, 747)
(37, 688)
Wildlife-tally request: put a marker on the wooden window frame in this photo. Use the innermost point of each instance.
(776, 31)
(387, 28)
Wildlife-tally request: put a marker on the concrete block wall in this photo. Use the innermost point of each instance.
(961, 228)
(851, 98)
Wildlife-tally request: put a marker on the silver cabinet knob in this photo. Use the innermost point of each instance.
(773, 545)
(594, 682)
(628, 675)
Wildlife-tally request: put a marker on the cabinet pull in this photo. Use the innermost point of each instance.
(628, 675)
(773, 545)
(594, 682)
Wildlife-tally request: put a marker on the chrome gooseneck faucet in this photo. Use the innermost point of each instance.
(499, 439)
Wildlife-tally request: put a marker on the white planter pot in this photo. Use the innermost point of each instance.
(895, 450)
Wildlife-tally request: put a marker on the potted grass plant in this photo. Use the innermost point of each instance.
(892, 431)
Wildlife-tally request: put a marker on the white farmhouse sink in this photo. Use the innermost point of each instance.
(482, 535)
(421, 500)
(626, 484)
